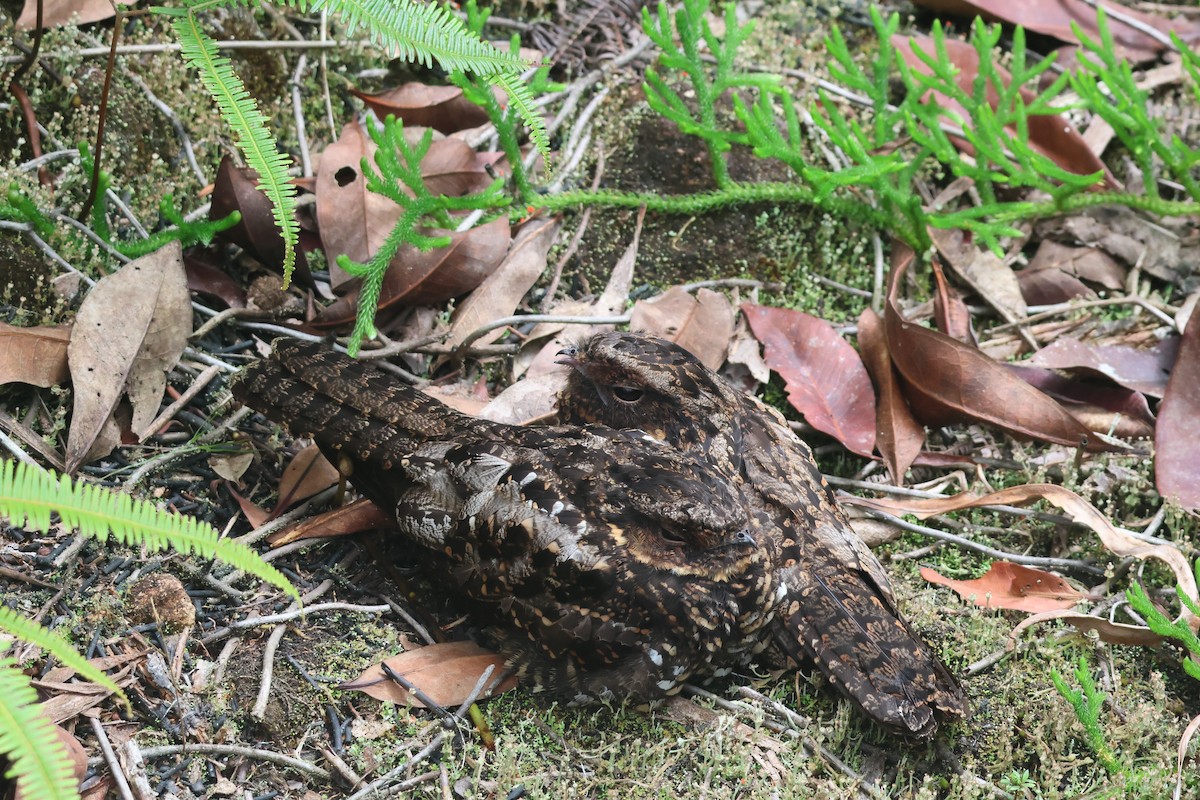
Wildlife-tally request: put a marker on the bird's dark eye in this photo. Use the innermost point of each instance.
(628, 394)
(672, 538)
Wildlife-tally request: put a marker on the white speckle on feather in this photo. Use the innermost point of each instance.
(655, 657)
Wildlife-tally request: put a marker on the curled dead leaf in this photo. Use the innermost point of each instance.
(37, 355)
(898, 435)
(445, 672)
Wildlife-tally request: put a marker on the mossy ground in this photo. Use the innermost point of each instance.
(1022, 739)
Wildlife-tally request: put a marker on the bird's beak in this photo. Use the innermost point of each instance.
(569, 357)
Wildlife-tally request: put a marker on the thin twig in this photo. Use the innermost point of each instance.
(297, 613)
(522, 319)
(110, 757)
(200, 748)
(198, 384)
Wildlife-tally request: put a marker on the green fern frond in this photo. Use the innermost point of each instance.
(40, 763)
(29, 631)
(425, 33)
(248, 123)
(29, 494)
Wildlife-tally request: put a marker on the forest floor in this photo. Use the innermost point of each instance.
(203, 722)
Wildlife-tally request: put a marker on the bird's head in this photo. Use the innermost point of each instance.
(631, 380)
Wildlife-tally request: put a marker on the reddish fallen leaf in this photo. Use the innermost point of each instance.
(826, 380)
(1107, 409)
(1108, 631)
(1012, 586)
(949, 309)
(442, 108)
(1079, 510)
(453, 168)
(358, 517)
(308, 473)
(256, 515)
(75, 754)
(236, 189)
(898, 435)
(1049, 134)
(1055, 19)
(37, 356)
(1086, 263)
(1177, 439)
(130, 331)
(701, 323)
(445, 672)
(1144, 371)
(947, 381)
(207, 279)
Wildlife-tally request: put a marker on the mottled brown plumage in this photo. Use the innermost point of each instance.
(604, 563)
(839, 611)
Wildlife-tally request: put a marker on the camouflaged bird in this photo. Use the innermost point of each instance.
(603, 563)
(839, 612)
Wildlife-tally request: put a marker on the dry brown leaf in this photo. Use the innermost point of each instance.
(231, 466)
(947, 381)
(1012, 586)
(1184, 741)
(254, 514)
(825, 378)
(526, 400)
(353, 220)
(75, 754)
(37, 356)
(453, 168)
(1108, 631)
(898, 435)
(702, 323)
(1116, 541)
(501, 292)
(987, 275)
(60, 12)
(130, 331)
(1086, 263)
(745, 353)
(1143, 371)
(445, 672)
(357, 517)
(442, 108)
(1107, 409)
(1043, 287)
(428, 278)
(610, 302)
(308, 473)
(1177, 437)
(236, 189)
(950, 311)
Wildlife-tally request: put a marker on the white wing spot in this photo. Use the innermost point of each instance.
(530, 478)
(557, 508)
(655, 657)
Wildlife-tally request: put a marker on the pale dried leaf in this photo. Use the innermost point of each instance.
(501, 292)
(1108, 631)
(702, 323)
(231, 466)
(37, 356)
(60, 12)
(130, 331)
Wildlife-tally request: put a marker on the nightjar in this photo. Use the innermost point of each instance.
(839, 611)
(603, 563)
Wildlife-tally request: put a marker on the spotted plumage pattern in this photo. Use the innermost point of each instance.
(839, 611)
(603, 563)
